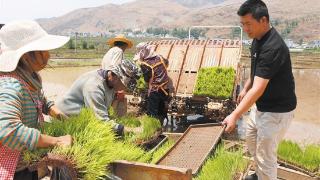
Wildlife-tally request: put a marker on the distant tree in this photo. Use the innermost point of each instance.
(275, 22)
(128, 30)
(84, 45)
(71, 44)
(137, 32)
(91, 46)
(235, 33)
(196, 33)
(180, 33)
(157, 31)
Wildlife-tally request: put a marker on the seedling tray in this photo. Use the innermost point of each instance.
(194, 146)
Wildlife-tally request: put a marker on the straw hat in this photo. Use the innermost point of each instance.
(20, 37)
(121, 38)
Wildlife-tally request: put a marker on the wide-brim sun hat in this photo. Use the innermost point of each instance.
(20, 37)
(120, 38)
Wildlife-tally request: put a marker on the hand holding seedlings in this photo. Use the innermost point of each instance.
(46, 141)
(64, 141)
(133, 129)
(56, 113)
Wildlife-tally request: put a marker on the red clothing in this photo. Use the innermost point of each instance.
(8, 162)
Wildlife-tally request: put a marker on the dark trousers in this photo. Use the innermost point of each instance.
(157, 105)
(26, 175)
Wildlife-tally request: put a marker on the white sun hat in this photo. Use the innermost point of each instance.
(19, 37)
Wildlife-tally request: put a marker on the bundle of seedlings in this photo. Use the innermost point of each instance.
(94, 145)
(150, 129)
(215, 82)
(307, 158)
(223, 165)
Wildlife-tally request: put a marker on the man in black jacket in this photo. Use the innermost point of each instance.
(271, 87)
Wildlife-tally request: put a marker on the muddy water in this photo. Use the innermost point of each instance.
(305, 127)
(56, 81)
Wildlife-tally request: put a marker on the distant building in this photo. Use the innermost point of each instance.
(290, 43)
(314, 44)
(246, 42)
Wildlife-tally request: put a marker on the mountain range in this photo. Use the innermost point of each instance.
(298, 19)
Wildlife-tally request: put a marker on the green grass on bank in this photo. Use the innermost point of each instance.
(308, 157)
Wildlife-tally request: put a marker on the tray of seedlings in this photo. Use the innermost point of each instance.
(304, 159)
(94, 147)
(216, 82)
(224, 164)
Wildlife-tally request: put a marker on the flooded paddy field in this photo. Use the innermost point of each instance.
(304, 129)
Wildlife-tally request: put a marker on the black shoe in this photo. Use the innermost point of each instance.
(251, 177)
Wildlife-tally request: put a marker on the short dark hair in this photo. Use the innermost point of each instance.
(257, 8)
(120, 44)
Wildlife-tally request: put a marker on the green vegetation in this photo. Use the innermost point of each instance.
(215, 82)
(157, 31)
(129, 121)
(223, 165)
(91, 48)
(141, 84)
(161, 151)
(150, 126)
(308, 157)
(75, 63)
(94, 146)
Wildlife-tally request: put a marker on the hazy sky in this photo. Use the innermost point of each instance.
(34, 9)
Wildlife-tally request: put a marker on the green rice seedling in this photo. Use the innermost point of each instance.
(161, 151)
(141, 84)
(307, 157)
(150, 126)
(94, 147)
(112, 113)
(29, 157)
(216, 82)
(129, 121)
(223, 165)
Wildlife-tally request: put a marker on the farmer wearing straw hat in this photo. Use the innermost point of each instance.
(96, 89)
(114, 56)
(24, 52)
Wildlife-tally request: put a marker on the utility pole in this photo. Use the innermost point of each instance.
(75, 43)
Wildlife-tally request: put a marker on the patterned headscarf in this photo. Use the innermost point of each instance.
(128, 72)
(144, 51)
